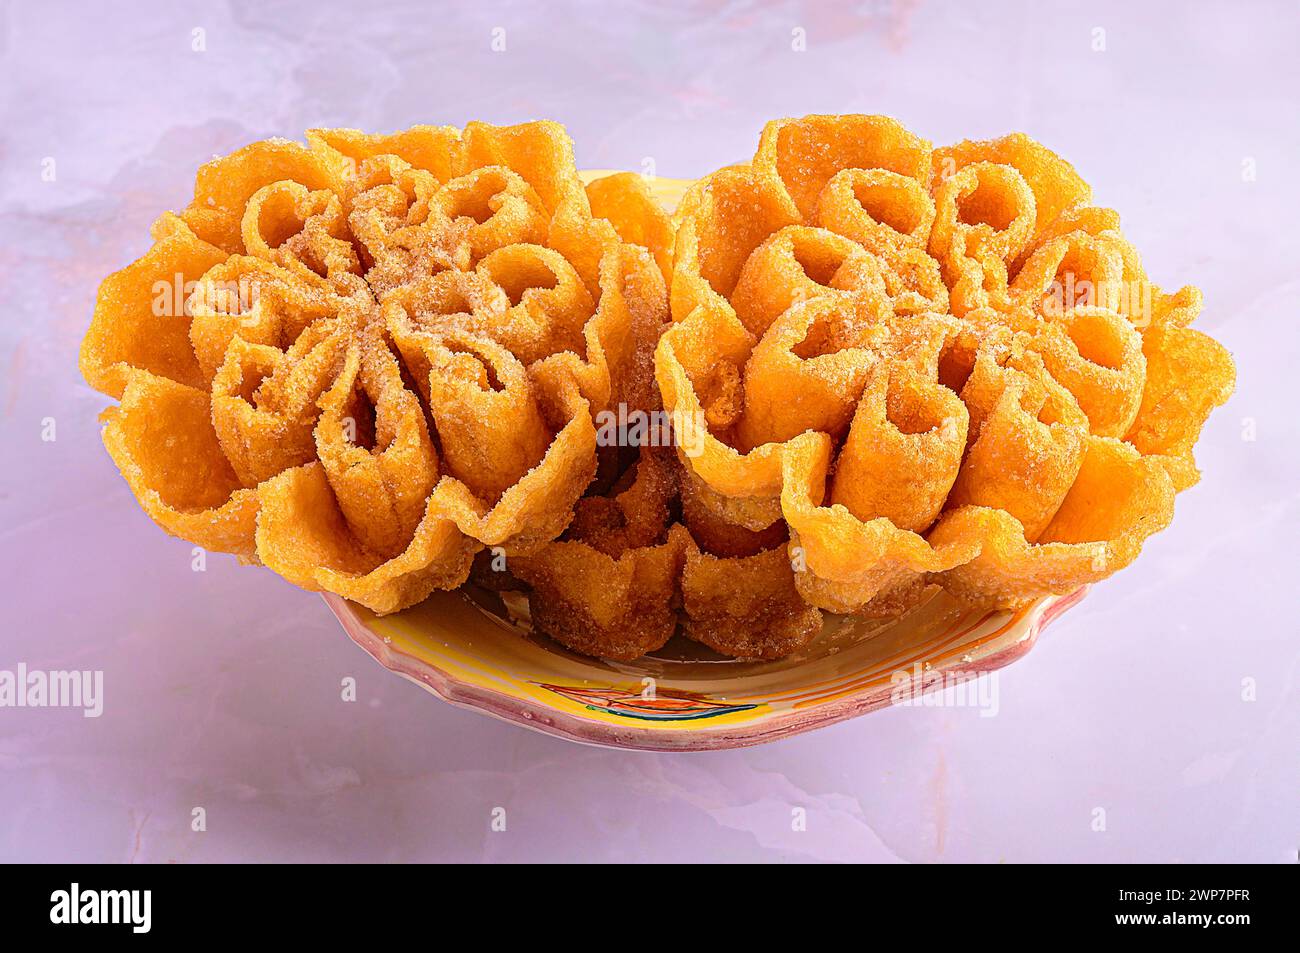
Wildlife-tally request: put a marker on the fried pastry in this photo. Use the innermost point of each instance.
(361, 361)
(952, 368)
(381, 365)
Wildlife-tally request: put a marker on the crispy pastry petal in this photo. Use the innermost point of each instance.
(1119, 499)
(1188, 375)
(805, 154)
(843, 563)
(747, 606)
(618, 608)
(161, 438)
(141, 320)
(1055, 184)
(304, 536)
(625, 200)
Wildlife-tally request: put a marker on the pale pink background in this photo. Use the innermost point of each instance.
(222, 688)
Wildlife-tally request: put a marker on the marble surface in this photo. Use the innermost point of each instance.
(1157, 721)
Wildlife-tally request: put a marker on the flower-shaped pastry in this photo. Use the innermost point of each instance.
(380, 364)
(920, 366)
(361, 361)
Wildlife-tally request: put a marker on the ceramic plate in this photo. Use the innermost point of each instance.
(473, 649)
